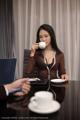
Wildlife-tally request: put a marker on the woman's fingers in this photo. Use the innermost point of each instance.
(34, 47)
(64, 76)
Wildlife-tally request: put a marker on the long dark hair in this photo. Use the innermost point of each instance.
(51, 32)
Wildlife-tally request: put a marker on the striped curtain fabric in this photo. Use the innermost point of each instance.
(6, 29)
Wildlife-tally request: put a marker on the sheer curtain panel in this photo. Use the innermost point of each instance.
(63, 15)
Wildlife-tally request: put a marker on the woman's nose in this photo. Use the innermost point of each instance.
(44, 39)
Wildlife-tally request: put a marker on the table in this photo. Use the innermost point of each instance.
(67, 94)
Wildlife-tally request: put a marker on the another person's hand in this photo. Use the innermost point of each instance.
(64, 76)
(22, 84)
(34, 47)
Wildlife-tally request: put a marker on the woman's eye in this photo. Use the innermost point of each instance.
(46, 36)
(40, 37)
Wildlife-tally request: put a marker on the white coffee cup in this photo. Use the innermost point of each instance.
(42, 45)
(42, 99)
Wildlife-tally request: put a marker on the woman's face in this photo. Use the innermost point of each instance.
(44, 37)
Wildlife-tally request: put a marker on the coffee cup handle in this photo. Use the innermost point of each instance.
(33, 100)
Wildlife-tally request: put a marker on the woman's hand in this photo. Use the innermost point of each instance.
(64, 76)
(34, 47)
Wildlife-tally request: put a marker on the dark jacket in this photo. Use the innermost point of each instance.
(36, 67)
(2, 93)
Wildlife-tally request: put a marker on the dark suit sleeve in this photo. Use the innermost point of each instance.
(2, 93)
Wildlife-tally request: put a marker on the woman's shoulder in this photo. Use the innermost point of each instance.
(60, 54)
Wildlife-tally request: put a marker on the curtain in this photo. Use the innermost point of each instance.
(6, 29)
(63, 15)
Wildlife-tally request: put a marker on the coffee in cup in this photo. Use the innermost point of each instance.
(42, 45)
(42, 99)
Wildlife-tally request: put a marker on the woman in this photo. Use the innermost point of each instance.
(49, 62)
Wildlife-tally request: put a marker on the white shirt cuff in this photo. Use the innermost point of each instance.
(7, 92)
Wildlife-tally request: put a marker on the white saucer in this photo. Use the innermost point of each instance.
(58, 80)
(54, 108)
